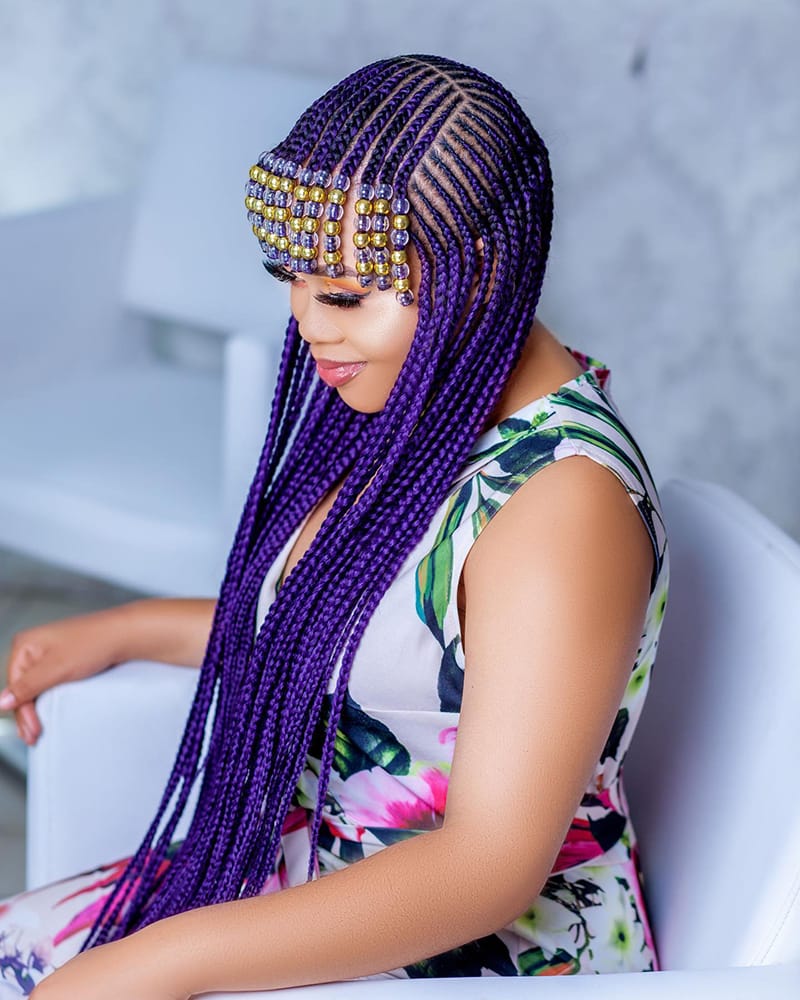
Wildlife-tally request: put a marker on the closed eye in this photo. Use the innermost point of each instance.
(344, 300)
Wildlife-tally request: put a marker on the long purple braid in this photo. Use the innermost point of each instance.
(473, 166)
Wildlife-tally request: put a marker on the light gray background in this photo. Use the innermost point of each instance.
(673, 132)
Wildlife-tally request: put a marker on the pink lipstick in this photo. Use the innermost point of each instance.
(336, 375)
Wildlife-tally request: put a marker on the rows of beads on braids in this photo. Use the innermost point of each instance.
(381, 217)
(285, 206)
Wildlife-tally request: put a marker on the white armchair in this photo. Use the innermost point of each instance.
(710, 776)
(113, 461)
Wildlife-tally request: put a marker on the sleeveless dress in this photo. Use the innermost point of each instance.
(395, 742)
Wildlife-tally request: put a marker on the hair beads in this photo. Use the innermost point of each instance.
(288, 205)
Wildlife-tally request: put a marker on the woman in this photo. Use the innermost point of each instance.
(415, 634)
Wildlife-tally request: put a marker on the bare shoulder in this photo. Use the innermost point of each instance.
(574, 515)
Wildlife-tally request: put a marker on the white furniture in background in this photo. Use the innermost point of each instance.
(710, 775)
(116, 462)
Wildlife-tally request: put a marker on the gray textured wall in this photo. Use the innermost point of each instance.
(673, 128)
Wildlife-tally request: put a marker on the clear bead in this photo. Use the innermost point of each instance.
(380, 223)
(290, 168)
(399, 238)
(322, 178)
(400, 270)
(364, 280)
(314, 209)
(384, 191)
(332, 243)
(281, 199)
(307, 177)
(335, 212)
(384, 282)
(363, 223)
(298, 208)
(366, 191)
(381, 257)
(308, 239)
(342, 182)
(405, 298)
(401, 206)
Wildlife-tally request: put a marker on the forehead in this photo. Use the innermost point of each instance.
(319, 223)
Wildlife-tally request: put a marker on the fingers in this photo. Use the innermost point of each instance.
(28, 724)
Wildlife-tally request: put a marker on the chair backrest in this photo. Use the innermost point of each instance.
(711, 774)
(193, 257)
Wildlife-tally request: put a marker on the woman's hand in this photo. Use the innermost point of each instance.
(64, 650)
(128, 969)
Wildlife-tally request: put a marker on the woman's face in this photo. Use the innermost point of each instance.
(341, 321)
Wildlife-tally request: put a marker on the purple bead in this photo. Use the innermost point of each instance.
(381, 256)
(290, 168)
(314, 209)
(277, 166)
(363, 224)
(399, 238)
(332, 243)
(308, 239)
(384, 191)
(281, 229)
(363, 256)
(342, 182)
(335, 212)
(251, 216)
(366, 191)
(264, 245)
(380, 223)
(364, 280)
(405, 298)
(335, 270)
(322, 178)
(307, 177)
(286, 257)
(384, 282)
(281, 199)
(269, 197)
(401, 206)
(400, 270)
(267, 160)
(298, 208)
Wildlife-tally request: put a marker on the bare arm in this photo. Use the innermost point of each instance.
(165, 629)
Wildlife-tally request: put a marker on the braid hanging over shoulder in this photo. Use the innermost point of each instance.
(473, 167)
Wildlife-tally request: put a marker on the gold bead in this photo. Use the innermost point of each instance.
(287, 184)
(363, 206)
(361, 240)
(310, 225)
(382, 268)
(296, 224)
(282, 242)
(401, 284)
(337, 196)
(309, 253)
(269, 212)
(262, 233)
(316, 193)
(398, 256)
(281, 214)
(332, 227)
(382, 206)
(301, 192)
(379, 239)
(247, 200)
(332, 256)
(254, 227)
(258, 206)
(255, 171)
(400, 222)
(272, 239)
(274, 182)
(364, 267)
(295, 250)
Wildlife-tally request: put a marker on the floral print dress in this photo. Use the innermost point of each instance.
(395, 742)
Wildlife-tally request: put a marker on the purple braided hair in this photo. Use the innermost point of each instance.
(473, 166)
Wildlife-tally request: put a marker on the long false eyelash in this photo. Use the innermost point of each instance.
(343, 301)
(277, 272)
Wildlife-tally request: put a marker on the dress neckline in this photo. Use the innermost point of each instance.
(595, 373)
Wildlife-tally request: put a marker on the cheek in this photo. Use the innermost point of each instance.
(387, 335)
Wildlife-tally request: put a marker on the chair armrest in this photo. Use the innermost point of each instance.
(59, 298)
(96, 774)
(767, 982)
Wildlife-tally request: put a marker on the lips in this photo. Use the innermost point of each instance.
(335, 374)
(325, 363)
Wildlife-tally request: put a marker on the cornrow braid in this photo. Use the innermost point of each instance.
(459, 147)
